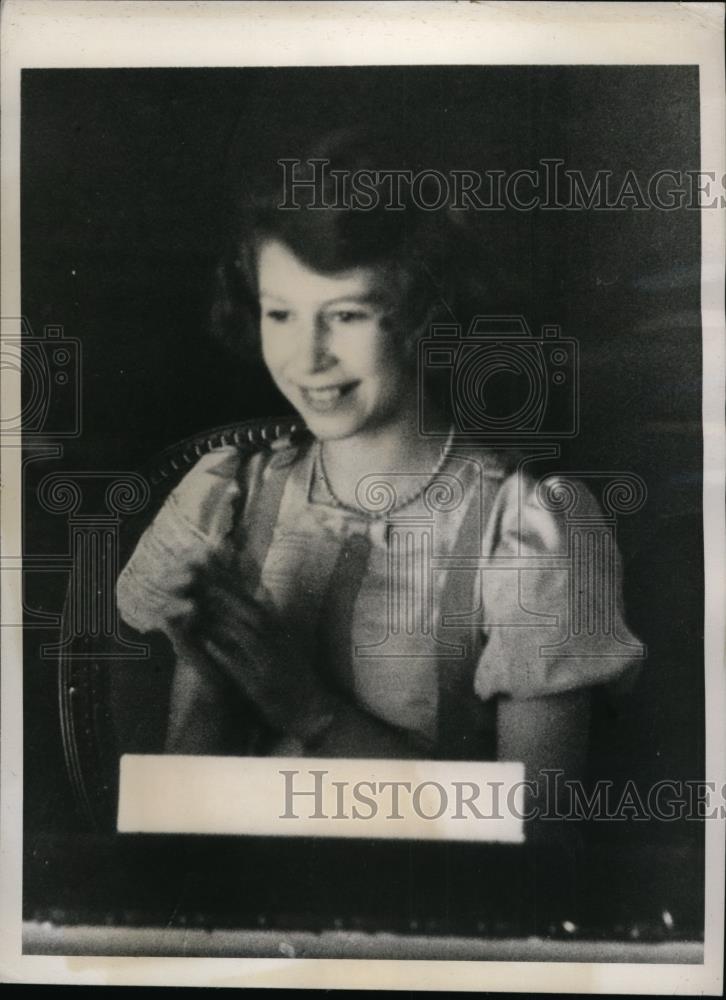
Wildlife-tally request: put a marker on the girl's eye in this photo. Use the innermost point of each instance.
(350, 316)
(278, 315)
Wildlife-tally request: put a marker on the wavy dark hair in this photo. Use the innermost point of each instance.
(422, 253)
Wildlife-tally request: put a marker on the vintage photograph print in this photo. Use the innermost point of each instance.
(362, 574)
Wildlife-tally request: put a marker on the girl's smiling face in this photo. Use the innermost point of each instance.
(327, 345)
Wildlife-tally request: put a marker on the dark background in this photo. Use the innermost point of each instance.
(123, 175)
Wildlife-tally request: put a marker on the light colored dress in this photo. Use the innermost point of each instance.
(445, 593)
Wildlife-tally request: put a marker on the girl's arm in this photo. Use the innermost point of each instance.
(345, 730)
(546, 733)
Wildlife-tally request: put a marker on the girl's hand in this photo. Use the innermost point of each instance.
(259, 652)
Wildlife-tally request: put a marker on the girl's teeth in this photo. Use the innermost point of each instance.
(324, 395)
(324, 399)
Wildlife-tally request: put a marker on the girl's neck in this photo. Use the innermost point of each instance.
(399, 449)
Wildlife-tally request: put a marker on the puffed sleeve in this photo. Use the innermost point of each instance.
(551, 591)
(194, 521)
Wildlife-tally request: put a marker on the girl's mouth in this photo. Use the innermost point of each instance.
(326, 398)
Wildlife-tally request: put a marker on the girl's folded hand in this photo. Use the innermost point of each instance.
(259, 651)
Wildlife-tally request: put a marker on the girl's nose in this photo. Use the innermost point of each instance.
(315, 353)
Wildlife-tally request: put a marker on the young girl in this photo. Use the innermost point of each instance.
(363, 589)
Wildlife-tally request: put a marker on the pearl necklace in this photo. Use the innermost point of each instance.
(404, 502)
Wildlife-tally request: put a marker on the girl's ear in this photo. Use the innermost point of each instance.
(437, 312)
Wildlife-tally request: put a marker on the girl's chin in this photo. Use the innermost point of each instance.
(331, 429)
(339, 430)
(339, 426)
